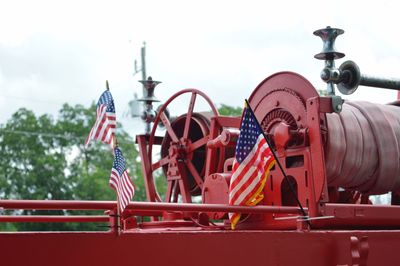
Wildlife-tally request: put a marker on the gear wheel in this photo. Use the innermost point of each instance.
(277, 116)
(281, 114)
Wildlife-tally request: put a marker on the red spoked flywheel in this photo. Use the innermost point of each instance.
(183, 148)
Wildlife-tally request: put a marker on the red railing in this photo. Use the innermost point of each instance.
(136, 208)
(139, 206)
(54, 218)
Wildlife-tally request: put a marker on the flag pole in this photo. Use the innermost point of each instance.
(115, 142)
(277, 161)
(118, 218)
(115, 145)
(118, 208)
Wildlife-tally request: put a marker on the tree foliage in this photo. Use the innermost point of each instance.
(230, 110)
(45, 158)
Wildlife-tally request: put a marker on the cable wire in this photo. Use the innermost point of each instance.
(50, 135)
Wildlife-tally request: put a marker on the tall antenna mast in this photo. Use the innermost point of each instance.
(143, 58)
(142, 65)
(148, 98)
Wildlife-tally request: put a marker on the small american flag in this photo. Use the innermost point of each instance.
(104, 128)
(120, 180)
(253, 160)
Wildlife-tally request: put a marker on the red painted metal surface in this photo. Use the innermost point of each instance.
(322, 151)
(201, 247)
(287, 98)
(333, 163)
(214, 164)
(217, 245)
(139, 206)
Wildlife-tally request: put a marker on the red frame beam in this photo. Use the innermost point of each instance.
(143, 206)
(54, 218)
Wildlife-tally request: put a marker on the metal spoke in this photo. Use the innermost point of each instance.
(195, 174)
(175, 194)
(160, 163)
(189, 115)
(158, 198)
(198, 143)
(167, 125)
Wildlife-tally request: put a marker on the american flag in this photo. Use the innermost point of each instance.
(104, 128)
(253, 160)
(120, 180)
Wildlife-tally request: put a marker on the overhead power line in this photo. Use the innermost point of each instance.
(35, 133)
(50, 135)
(26, 99)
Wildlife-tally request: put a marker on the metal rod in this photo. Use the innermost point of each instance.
(54, 218)
(191, 207)
(57, 205)
(146, 206)
(350, 77)
(380, 82)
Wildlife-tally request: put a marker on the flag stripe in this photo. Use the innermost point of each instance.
(107, 125)
(250, 160)
(242, 175)
(246, 176)
(250, 181)
(122, 196)
(250, 163)
(104, 127)
(244, 190)
(120, 180)
(100, 121)
(124, 189)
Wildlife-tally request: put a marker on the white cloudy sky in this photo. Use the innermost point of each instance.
(53, 52)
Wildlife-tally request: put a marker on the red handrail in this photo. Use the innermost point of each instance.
(55, 218)
(140, 206)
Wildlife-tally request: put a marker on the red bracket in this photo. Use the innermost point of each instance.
(359, 248)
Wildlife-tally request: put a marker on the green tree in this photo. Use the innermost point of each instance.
(32, 164)
(45, 158)
(322, 92)
(230, 110)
